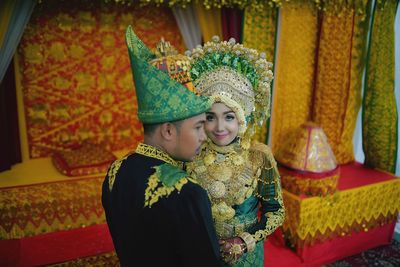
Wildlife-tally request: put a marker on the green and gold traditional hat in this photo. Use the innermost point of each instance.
(163, 86)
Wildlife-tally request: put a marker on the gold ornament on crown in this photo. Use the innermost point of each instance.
(238, 76)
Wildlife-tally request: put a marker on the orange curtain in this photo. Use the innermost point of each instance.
(337, 95)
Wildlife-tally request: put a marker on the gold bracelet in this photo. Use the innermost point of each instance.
(249, 240)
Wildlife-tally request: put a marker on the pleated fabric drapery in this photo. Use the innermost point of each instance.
(14, 15)
(318, 75)
(294, 73)
(188, 24)
(320, 70)
(259, 32)
(338, 75)
(231, 20)
(379, 120)
(209, 20)
(6, 8)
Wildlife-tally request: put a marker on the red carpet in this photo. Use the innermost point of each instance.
(277, 255)
(382, 256)
(56, 247)
(94, 247)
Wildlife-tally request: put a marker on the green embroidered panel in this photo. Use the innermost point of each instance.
(169, 175)
(163, 182)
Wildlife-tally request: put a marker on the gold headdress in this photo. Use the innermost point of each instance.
(238, 76)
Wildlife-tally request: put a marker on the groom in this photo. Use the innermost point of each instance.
(157, 215)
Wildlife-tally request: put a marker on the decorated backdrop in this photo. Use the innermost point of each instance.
(76, 77)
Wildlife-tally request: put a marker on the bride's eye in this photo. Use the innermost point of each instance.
(209, 117)
(230, 117)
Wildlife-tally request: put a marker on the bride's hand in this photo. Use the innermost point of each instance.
(232, 249)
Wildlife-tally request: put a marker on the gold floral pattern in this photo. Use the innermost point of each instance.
(112, 172)
(44, 208)
(309, 186)
(337, 95)
(156, 189)
(231, 175)
(153, 152)
(75, 75)
(307, 149)
(312, 218)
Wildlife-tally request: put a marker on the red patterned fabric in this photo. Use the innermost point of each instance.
(49, 207)
(76, 77)
(85, 160)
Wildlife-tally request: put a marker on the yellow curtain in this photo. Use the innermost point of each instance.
(209, 20)
(259, 32)
(337, 96)
(294, 72)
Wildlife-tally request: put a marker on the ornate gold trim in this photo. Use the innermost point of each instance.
(152, 152)
(249, 241)
(156, 189)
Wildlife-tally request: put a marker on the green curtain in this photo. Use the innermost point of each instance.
(379, 118)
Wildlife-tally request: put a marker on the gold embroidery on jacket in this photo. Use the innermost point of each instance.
(153, 152)
(156, 189)
(112, 172)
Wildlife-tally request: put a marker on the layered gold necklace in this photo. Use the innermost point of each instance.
(227, 175)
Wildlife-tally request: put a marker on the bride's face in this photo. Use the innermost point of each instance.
(221, 125)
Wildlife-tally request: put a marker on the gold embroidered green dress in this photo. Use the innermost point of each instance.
(242, 181)
(245, 192)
